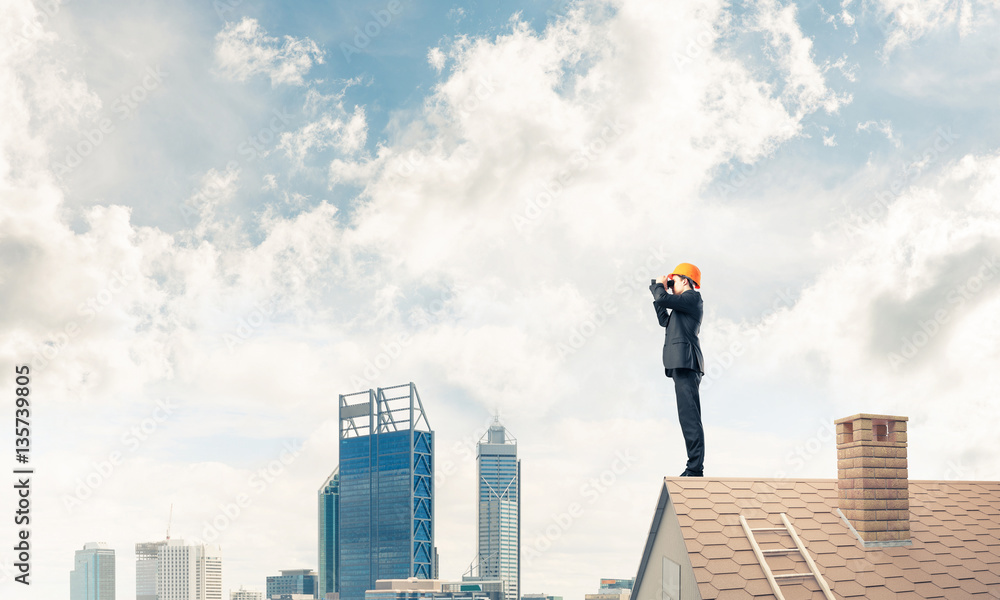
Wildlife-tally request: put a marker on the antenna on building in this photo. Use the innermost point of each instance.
(170, 520)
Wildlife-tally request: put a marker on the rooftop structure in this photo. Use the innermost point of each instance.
(732, 538)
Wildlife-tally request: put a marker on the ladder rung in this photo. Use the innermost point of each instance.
(793, 575)
(770, 529)
(780, 550)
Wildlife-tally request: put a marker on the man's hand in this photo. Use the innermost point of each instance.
(663, 280)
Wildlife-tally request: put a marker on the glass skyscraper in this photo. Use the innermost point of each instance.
(499, 555)
(297, 581)
(93, 574)
(329, 528)
(386, 489)
(146, 566)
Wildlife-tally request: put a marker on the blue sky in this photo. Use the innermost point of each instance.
(226, 212)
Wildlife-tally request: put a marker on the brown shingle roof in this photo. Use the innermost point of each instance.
(955, 551)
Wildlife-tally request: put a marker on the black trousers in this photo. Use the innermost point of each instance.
(686, 382)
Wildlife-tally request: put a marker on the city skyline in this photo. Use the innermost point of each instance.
(498, 514)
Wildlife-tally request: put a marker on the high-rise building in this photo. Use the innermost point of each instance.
(499, 496)
(295, 581)
(93, 574)
(188, 572)
(329, 549)
(386, 521)
(245, 593)
(612, 589)
(146, 561)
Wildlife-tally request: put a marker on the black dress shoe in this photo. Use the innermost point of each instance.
(687, 473)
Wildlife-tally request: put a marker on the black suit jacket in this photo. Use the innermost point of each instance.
(681, 315)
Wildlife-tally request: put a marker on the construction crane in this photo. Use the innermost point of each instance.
(170, 520)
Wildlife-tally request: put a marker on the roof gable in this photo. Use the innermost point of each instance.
(955, 550)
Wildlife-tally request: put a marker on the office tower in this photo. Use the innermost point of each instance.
(499, 498)
(93, 574)
(188, 572)
(386, 489)
(245, 593)
(146, 561)
(612, 589)
(329, 510)
(297, 581)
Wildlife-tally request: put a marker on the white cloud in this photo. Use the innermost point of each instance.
(905, 21)
(244, 49)
(346, 133)
(436, 58)
(270, 182)
(849, 71)
(908, 317)
(884, 127)
(805, 86)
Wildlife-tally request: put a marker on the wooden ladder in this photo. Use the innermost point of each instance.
(799, 547)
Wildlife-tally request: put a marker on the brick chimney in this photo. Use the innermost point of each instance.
(872, 484)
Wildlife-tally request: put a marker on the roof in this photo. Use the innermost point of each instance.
(955, 530)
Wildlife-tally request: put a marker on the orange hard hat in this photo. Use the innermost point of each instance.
(690, 271)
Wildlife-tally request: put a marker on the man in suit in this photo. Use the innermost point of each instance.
(680, 312)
